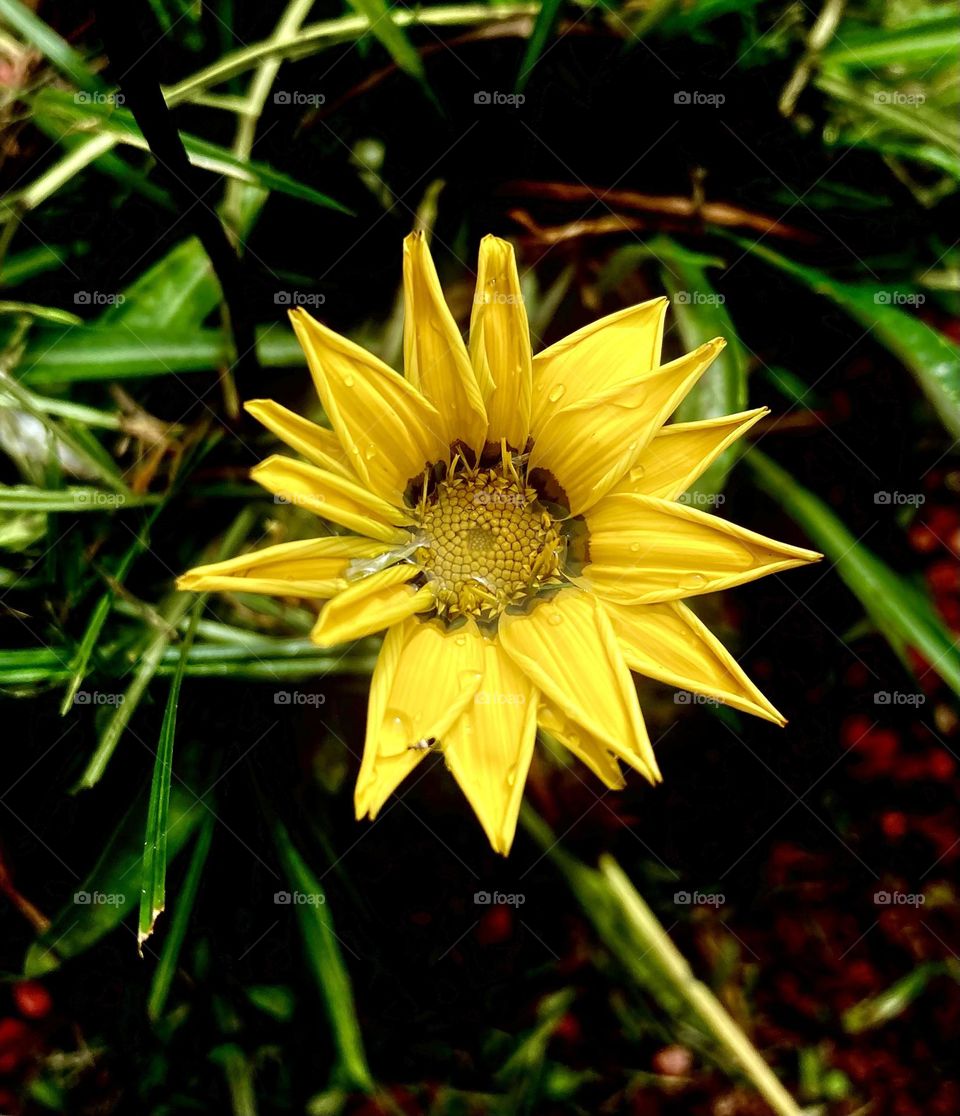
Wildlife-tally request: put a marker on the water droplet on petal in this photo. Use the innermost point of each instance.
(635, 547)
(348, 380)
(470, 679)
(692, 581)
(397, 732)
(557, 393)
(555, 617)
(512, 775)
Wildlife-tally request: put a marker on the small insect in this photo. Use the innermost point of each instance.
(423, 745)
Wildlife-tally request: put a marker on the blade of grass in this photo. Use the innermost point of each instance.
(76, 498)
(111, 889)
(153, 894)
(933, 359)
(542, 28)
(634, 936)
(177, 931)
(326, 961)
(900, 611)
(149, 660)
(29, 26)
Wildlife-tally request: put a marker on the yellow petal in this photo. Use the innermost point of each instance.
(584, 745)
(669, 642)
(682, 452)
(602, 355)
(591, 444)
(317, 444)
(391, 433)
(643, 550)
(500, 344)
(424, 679)
(331, 496)
(568, 649)
(490, 745)
(308, 568)
(376, 602)
(434, 356)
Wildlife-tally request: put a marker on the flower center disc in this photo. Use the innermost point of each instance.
(488, 543)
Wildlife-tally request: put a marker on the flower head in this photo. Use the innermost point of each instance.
(513, 522)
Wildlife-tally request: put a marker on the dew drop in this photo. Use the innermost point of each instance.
(470, 679)
(557, 393)
(512, 775)
(397, 732)
(370, 452)
(555, 617)
(635, 547)
(348, 380)
(692, 581)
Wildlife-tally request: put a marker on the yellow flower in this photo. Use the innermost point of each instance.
(513, 522)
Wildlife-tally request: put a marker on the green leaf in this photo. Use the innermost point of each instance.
(633, 935)
(701, 315)
(546, 18)
(41, 313)
(900, 611)
(110, 120)
(95, 353)
(153, 895)
(177, 929)
(176, 293)
(394, 39)
(893, 1001)
(933, 359)
(76, 498)
(326, 962)
(105, 898)
(31, 28)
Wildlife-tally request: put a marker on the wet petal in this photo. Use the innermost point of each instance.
(490, 745)
(568, 649)
(370, 605)
(670, 643)
(317, 444)
(332, 496)
(500, 344)
(434, 355)
(643, 550)
(591, 444)
(308, 568)
(600, 356)
(390, 432)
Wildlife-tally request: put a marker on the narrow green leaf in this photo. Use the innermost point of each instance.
(633, 935)
(153, 894)
(117, 122)
(41, 313)
(326, 962)
(900, 611)
(891, 1002)
(77, 498)
(109, 894)
(384, 27)
(542, 28)
(38, 34)
(177, 930)
(94, 353)
(933, 359)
